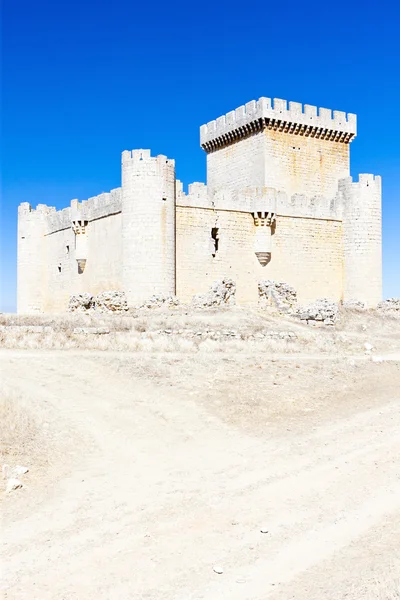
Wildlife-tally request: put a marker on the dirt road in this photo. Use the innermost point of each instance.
(157, 491)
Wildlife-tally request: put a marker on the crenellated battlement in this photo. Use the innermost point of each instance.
(96, 207)
(99, 206)
(280, 115)
(364, 180)
(25, 208)
(142, 161)
(270, 200)
(197, 195)
(316, 207)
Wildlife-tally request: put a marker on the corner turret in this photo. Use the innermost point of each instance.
(362, 238)
(148, 225)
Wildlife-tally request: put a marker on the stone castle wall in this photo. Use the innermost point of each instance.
(103, 268)
(306, 251)
(279, 204)
(48, 271)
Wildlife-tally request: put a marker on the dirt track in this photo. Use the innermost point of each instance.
(157, 490)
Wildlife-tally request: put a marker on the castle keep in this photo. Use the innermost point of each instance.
(279, 204)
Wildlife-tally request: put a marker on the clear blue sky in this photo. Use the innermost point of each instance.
(84, 80)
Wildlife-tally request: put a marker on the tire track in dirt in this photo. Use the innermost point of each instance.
(153, 503)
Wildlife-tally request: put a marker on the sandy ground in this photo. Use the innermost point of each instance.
(153, 485)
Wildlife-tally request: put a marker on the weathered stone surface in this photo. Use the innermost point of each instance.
(81, 302)
(278, 294)
(224, 334)
(91, 330)
(390, 306)
(322, 310)
(110, 302)
(221, 293)
(354, 304)
(105, 302)
(159, 300)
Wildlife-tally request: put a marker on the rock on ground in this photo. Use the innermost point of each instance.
(278, 294)
(91, 330)
(13, 484)
(105, 302)
(354, 304)
(322, 310)
(160, 300)
(111, 301)
(19, 470)
(390, 306)
(221, 293)
(81, 302)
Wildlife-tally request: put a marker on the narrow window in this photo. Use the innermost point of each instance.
(215, 239)
(67, 250)
(59, 268)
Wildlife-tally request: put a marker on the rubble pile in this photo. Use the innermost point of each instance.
(221, 293)
(322, 310)
(278, 294)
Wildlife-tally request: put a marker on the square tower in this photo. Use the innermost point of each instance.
(295, 149)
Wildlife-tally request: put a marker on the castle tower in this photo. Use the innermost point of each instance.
(362, 239)
(294, 149)
(31, 258)
(148, 225)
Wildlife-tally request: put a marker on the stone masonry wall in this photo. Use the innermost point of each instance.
(148, 225)
(103, 268)
(304, 165)
(286, 146)
(47, 267)
(306, 253)
(287, 162)
(237, 166)
(362, 238)
(31, 258)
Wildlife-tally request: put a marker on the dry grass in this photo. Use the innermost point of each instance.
(21, 431)
(29, 438)
(240, 379)
(200, 331)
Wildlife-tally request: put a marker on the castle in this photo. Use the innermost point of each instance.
(279, 204)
